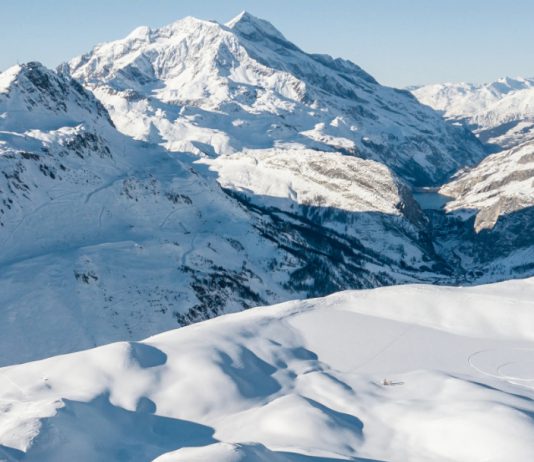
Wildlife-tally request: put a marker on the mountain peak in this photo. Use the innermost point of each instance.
(10, 76)
(32, 74)
(34, 96)
(140, 33)
(243, 16)
(245, 68)
(7, 77)
(253, 27)
(187, 23)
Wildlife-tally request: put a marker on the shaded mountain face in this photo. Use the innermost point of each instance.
(213, 89)
(501, 113)
(106, 238)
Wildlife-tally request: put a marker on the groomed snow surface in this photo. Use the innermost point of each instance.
(299, 382)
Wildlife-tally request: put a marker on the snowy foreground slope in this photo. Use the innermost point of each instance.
(500, 112)
(299, 382)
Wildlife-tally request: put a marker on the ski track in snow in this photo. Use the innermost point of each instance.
(386, 347)
(523, 381)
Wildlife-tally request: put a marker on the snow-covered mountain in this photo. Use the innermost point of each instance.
(499, 185)
(122, 238)
(298, 382)
(201, 169)
(107, 238)
(213, 89)
(33, 98)
(501, 113)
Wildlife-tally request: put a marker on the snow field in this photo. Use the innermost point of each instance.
(300, 381)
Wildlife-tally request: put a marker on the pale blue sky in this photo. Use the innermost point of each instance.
(400, 42)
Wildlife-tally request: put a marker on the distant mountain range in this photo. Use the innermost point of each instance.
(501, 113)
(496, 195)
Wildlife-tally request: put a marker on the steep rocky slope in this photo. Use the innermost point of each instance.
(485, 229)
(500, 185)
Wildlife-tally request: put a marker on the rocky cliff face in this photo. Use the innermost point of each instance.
(486, 226)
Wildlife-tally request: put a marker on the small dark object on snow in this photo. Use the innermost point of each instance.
(387, 382)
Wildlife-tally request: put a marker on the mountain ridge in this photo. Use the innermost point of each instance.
(501, 113)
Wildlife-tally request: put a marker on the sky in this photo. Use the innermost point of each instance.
(400, 42)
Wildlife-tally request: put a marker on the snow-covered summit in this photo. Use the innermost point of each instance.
(458, 99)
(252, 27)
(214, 89)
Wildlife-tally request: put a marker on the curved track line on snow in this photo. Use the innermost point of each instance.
(508, 378)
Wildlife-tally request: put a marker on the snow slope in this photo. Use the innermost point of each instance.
(501, 112)
(217, 89)
(106, 238)
(297, 382)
